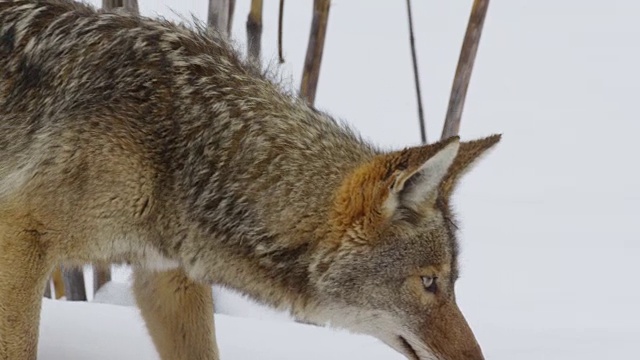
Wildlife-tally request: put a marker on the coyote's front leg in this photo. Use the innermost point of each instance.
(23, 273)
(178, 313)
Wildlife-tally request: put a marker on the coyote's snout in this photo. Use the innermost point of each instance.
(444, 334)
(129, 139)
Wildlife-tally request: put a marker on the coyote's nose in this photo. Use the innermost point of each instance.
(449, 335)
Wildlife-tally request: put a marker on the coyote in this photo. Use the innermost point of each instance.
(129, 139)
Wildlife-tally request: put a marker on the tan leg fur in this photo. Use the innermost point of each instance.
(178, 313)
(24, 269)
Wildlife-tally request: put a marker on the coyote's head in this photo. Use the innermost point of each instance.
(390, 267)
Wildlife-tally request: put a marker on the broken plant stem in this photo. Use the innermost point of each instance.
(232, 8)
(423, 128)
(218, 17)
(280, 26)
(129, 5)
(254, 31)
(465, 67)
(315, 49)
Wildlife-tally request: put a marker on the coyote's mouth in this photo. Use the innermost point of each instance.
(409, 351)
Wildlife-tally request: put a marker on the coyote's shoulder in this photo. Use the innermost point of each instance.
(124, 138)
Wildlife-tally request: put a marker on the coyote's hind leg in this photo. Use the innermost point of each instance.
(24, 269)
(178, 313)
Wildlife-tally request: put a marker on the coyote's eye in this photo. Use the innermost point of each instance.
(429, 283)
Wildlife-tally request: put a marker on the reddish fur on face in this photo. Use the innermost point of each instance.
(359, 205)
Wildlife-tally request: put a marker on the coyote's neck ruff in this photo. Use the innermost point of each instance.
(129, 139)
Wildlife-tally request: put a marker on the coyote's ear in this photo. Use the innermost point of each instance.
(373, 192)
(416, 184)
(469, 154)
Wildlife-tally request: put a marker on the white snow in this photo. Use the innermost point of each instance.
(81, 331)
(551, 247)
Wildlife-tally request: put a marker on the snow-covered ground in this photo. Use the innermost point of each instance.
(551, 249)
(86, 331)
